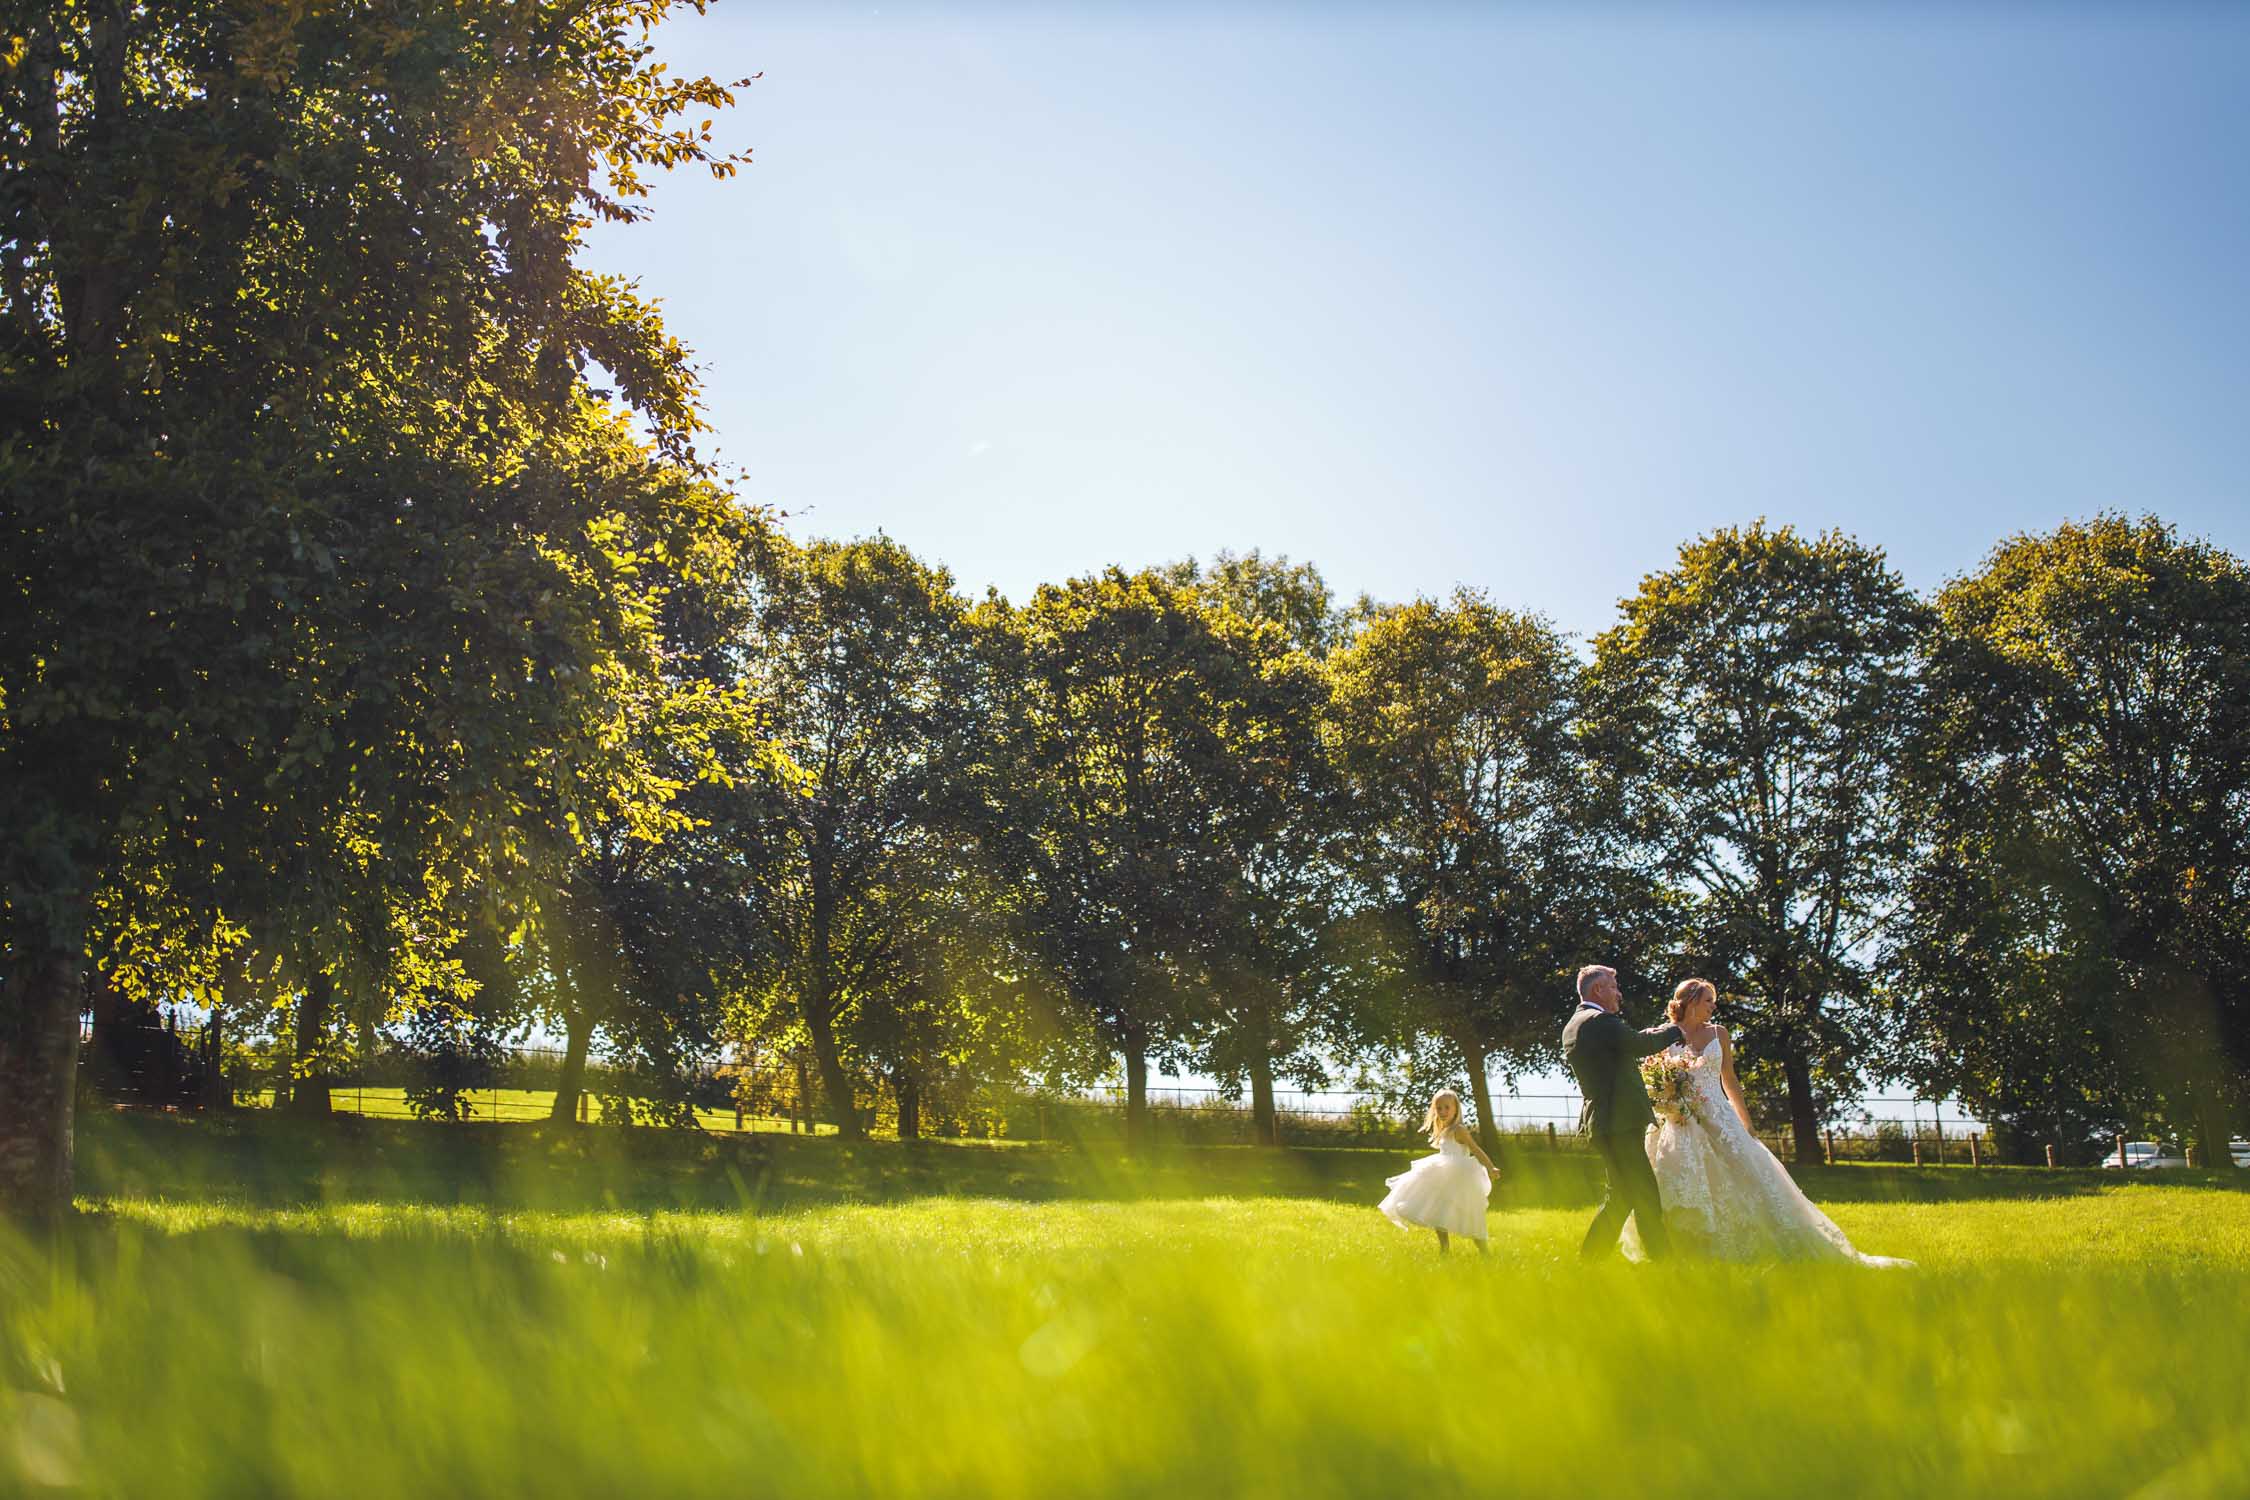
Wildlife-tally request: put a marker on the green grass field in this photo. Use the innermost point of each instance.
(377, 1308)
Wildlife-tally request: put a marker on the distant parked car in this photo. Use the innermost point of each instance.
(2147, 1154)
(2240, 1150)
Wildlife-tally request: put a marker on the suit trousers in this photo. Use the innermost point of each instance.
(1631, 1191)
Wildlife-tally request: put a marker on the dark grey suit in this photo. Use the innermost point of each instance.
(1605, 1057)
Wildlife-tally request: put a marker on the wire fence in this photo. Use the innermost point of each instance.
(1878, 1129)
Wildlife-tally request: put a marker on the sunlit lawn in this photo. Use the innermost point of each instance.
(1050, 1323)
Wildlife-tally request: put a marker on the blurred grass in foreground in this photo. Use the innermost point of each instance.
(2067, 1335)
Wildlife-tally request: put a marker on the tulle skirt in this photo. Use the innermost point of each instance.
(1445, 1192)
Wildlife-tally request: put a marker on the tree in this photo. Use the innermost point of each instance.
(651, 925)
(868, 678)
(1147, 746)
(1752, 706)
(1292, 597)
(1278, 1005)
(954, 1009)
(1471, 837)
(2076, 949)
(304, 580)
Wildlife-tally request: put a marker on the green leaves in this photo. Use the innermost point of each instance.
(1475, 847)
(346, 586)
(2079, 929)
(1151, 747)
(1751, 709)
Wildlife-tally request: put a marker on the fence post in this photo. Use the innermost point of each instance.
(582, 1106)
(1917, 1151)
(2050, 1153)
(1828, 1146)
(1940, 1142)
(2121, 1148)
(1974, 1159)
(1552, 1143)
(738, 1115)
(2187, 1154)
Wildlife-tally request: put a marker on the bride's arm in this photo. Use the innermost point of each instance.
(1732, 1084)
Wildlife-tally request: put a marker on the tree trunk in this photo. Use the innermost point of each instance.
(1136, 1097)
(39, 1010)
(834, 1081)
(2211, 1134)
(909, 1093)
(820, 993)
(1480, 1088)
(106, 1044)
(1262, 1122)
(1804, 1119)
(215, 1094)
(578, 1027)
(308, 1082)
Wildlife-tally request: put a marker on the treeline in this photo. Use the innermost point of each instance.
(1990, 842)
(381, 661)
(1203, 818)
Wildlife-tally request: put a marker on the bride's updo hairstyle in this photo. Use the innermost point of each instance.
(1688, 992)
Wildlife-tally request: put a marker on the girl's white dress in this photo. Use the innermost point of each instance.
(1445, 1191)
(1726, 1197)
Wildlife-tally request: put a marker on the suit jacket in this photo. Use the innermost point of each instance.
(1605, 1057)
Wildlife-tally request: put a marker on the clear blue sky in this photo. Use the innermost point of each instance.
(1520, 297)
(1515, 297)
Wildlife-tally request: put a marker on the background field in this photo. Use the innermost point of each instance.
(376, 1308)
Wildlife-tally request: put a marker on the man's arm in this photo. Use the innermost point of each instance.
(1649, 1043)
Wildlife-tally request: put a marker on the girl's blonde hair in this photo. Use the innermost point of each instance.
(1688, 992)
(1431, 1125)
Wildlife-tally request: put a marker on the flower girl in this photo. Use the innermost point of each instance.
(1445, 1192)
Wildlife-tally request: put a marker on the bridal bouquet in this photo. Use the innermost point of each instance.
(1670, 1091)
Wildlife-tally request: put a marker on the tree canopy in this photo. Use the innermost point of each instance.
(321, 540)
(2077, 943)
(1752, 703)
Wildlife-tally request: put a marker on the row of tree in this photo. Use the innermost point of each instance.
(1991, 843)
(1204, 818)
(378, 654)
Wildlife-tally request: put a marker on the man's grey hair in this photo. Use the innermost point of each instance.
(1586, 978)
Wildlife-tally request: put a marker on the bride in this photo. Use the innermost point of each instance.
(1726, 1197)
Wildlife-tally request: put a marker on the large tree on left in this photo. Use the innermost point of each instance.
(320, 554)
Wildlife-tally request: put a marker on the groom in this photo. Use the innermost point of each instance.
(1605, 1056)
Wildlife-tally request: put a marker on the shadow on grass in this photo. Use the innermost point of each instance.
(268, 1160)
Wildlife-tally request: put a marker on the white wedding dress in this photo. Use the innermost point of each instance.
(1446, 1191)
(1726, 1197)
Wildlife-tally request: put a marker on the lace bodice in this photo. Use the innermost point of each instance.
(1707, 1073)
